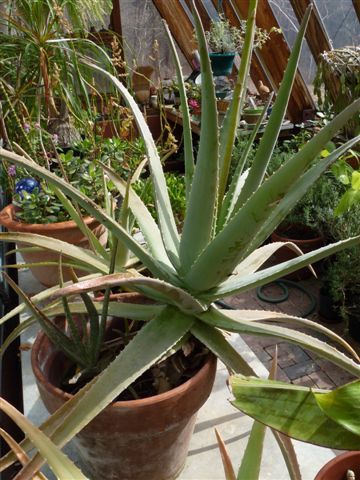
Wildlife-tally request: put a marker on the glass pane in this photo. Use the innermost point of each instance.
(341, 22)
(289, 24)
(141, 27)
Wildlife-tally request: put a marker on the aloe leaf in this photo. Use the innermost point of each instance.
(15, 333)
(290, 409)
(258, 257)
(55, 334)
(227, 464)
(158, 269)
(288, 453)
(93, 318)
(19, 452)
(58, 462)
(284, 318)
(265, 209)
(92, 239)
(299, 189)
(148, 346)
(75, 334)
(268, 275)
(201, 211)
(270, 136)
(144, 218)
(39, 297)
(188, 143)
(73, 265)
(215, 340)
(238, 179)
(251, 462)
(131, 311)
(154, 288)
(342, 406)
(231, 120)
(126, 220)
(231, 197)
(48, 427)
(162, 201)
(224, 321)
(122, 253)
(76, 253)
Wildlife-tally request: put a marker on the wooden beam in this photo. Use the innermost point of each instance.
(115, 18)
(356, 4)
(316, 34)
(180, 25)
(257, 71)
(275, 54)
(205, 17)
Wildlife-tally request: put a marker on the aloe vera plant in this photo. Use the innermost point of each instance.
(217, 254)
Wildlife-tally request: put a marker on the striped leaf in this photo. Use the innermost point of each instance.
(293, 410)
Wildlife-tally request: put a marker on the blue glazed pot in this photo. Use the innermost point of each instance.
(222, 63)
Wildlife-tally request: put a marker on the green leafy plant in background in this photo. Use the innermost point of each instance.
(351, 179)
(176, 187)
(40, 73)
(223, 37)
(337, 83)
(218, 253)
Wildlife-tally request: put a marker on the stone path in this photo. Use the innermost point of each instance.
(295, 365)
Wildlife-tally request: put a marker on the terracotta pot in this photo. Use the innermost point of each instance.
(252, 115)
(65, 231)
(337, 467)
(141, 83)
(307, 244)
(146, 439)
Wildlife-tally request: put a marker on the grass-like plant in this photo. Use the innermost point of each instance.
(217, 254)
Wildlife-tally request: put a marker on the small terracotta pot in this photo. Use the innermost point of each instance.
(146, 439)
(65, 231)
(337, 467)
(306, 245)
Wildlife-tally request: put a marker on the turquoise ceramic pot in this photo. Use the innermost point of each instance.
(222, 63)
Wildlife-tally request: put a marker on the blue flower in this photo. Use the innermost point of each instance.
(27, 185)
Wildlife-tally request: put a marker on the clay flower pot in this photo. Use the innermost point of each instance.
(65, 231)
(337, 467)
(307, 241)
(146, 439)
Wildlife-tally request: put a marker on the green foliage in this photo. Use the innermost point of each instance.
(207, 261)
(176, 188)
(43, 206)
(39, 207)
(223, 37)
(351, 179)
(85, 173)
(40, 66)
(337, 82)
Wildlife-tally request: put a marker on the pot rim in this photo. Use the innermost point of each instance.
(339, 458)
(7, 220)
(222, 54)
(277, 235)
(209, 364)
